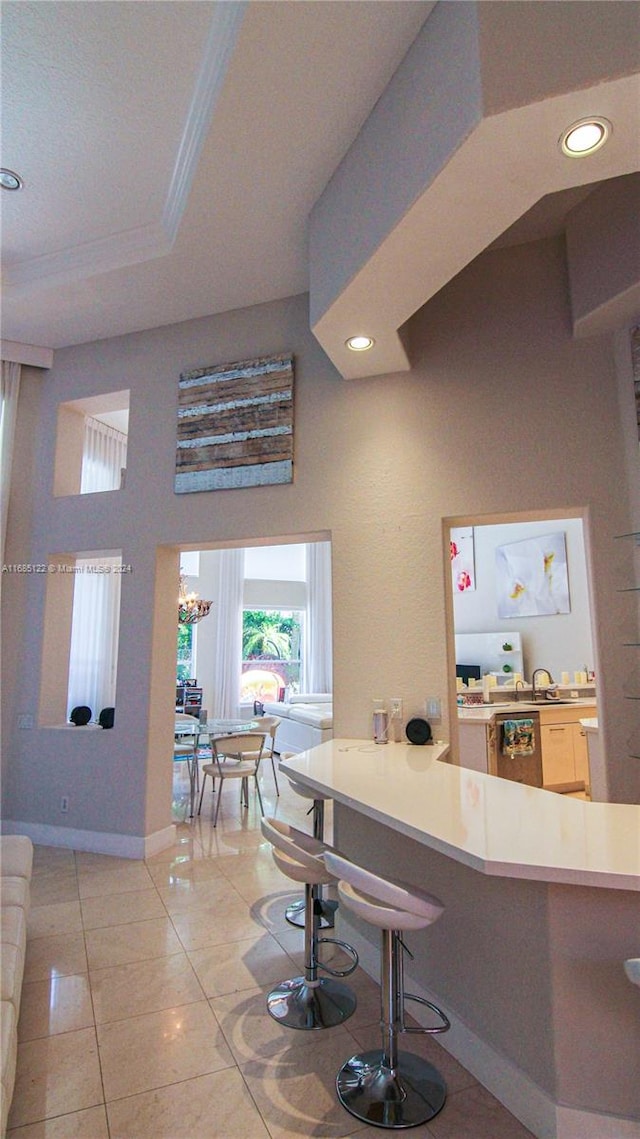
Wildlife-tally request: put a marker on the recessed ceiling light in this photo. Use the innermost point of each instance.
(360, 343)
(9, 180)
(585, 137)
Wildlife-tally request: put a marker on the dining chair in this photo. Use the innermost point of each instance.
(185, 750)
(269, 725)
(233, 757)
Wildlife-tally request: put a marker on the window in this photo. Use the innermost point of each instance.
(185, 653)
(81, 632)
(91, 444)
(270, 653)
(93, 654)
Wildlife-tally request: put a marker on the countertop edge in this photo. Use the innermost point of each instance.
(531, 868)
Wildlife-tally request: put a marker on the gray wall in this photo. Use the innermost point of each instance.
(502, 413)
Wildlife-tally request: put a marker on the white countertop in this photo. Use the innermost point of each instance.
(485, 713)
(493, 825)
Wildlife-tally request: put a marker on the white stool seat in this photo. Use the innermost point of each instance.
(299, 873)
(298, 855)
(378, 914)
(632, 969)
(388, 905)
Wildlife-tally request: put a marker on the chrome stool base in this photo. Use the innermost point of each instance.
(406, 1096)
(295, 914)
(320, 1004)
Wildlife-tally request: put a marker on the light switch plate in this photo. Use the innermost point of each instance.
(433, 707)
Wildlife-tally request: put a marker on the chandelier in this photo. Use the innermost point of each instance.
(190, 608)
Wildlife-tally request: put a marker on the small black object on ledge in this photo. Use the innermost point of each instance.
(419, 731)
(80, 715)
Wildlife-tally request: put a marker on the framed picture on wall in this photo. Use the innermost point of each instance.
(532, 578)
(235, 425)
(463, 571)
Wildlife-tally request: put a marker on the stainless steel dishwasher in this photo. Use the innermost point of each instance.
(514, 747)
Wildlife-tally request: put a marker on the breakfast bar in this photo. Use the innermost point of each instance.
(542, 907)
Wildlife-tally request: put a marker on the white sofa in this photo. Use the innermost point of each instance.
(307, 720)
(16, 862)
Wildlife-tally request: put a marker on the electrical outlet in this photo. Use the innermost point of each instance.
(64, 804)
(434, 708)
(396, 707)
(25, 722)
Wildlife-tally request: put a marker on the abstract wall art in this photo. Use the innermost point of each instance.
(532, 578)
(235, 425)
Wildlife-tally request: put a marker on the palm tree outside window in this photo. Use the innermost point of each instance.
(270, 653)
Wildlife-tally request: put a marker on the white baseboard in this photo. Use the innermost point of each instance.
(97, 842)
(574, 1124)
(519, 1094)
(159, 840)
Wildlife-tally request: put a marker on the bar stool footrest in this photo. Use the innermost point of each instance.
(348, 949)
(298, 1004)
(406, 1096)
(444, 1027)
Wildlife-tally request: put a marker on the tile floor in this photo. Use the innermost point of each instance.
(143, 1006)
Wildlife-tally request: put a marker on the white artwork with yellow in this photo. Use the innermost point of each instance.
(532, 578)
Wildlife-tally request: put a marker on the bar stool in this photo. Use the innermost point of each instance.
(385, 1087)
(294, 912)
(308, 1002)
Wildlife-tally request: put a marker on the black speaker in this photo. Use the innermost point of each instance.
(107, 717)
(418, 731)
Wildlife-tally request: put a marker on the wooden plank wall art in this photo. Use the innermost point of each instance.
(235, 425)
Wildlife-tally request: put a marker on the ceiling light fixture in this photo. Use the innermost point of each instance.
(190, 608)
(360, 343)
(9, 180)
(585, 137)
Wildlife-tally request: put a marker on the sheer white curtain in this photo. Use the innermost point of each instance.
(104, 457)
(94, 634)
(228, 652)
(317, 657)
(10, 391)
(8, 415)
(95, 624)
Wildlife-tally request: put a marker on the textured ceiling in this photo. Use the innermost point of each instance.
(171, 152)
(174, 152)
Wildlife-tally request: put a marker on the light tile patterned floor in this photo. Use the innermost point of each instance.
(143, 1007)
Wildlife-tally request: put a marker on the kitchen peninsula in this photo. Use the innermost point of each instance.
(542, 906)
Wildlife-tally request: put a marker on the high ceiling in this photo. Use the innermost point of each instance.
(172, 154)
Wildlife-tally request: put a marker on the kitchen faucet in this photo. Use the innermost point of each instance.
(518, 685)
(535, 695)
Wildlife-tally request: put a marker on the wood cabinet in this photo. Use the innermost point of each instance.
(565, 759)
(581, 755)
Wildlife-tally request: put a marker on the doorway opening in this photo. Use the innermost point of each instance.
(270, 622)
(519, 603)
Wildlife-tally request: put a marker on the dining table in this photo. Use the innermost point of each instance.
(214, 727)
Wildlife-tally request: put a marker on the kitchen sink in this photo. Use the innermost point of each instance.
(553, 703)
